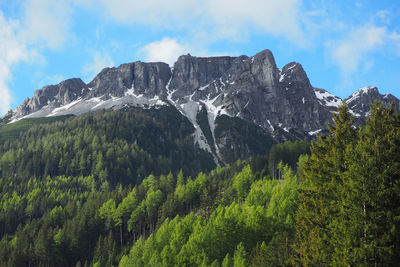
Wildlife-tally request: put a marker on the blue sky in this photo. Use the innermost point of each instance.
(342, 45)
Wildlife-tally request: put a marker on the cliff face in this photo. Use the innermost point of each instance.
(281, 103)
(56, 95)
(253, 89)
(147, 79)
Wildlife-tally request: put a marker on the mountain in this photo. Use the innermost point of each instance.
(113, 172)
(213, 93)
(359, 101)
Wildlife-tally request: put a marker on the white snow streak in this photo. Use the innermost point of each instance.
(327, 99)
(314, 132)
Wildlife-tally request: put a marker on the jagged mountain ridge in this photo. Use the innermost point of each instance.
(358, 101)
(281, 102)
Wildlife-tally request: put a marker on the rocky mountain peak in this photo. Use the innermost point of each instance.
(265, 58)
(190, 73)
(295, 73)
(364, 92)
(359, 102)
(70, 90)
(264, 69)
(54, 95)
(283, 103)
(138, 78)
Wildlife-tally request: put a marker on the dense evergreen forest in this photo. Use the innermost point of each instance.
(127, 188)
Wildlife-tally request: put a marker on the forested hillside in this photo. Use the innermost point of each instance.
(76, 220)
(118, 147)
(105, 190)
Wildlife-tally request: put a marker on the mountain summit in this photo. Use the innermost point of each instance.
(282, 103)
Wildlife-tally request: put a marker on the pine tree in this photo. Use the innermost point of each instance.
(240, 256)
(321, 181)
(377, 167)
(349, 208)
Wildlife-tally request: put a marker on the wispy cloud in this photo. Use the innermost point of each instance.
(47, 22)
(359, 46)
(220, 19)
(199, 27)
(350, 52)
(44, 25)
(99, 61)
(279, 18)
(12, 51)
(167, 50)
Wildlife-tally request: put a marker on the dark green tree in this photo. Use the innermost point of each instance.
(349, 197)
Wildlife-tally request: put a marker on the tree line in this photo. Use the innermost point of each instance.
(334, 203)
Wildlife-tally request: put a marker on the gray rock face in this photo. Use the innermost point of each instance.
(253, 89)
(147, 79)
(327, 100)
(54, 95)
(191, 73)
(282, 103)
(361, 100)
(305, 111)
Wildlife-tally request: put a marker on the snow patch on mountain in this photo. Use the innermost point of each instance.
(251, 88)
(359, 92)
(281, 76)
(66, 107)
(327, 99)
(190, 109)
(355, 114)
(291, 67)
(314, 132)
(81, 106)
(212, 113)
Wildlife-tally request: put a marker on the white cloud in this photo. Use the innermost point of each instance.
(12, 51)
(167, 50)
(47, 22)
(350, 52)
(44, 23)
(155, 11)
(279, 18)
(100, 60)
(220, 19)
(355, 54)
(394, 40)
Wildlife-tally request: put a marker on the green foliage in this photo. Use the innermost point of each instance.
(6, 119)
(227, 262)
(107, 211)
(128, 188)
(233, 229)
(242, 182)
(349, 199)
(67, 220)
(240, 256)
(12, 131)
(287, 153)
(114, 146)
